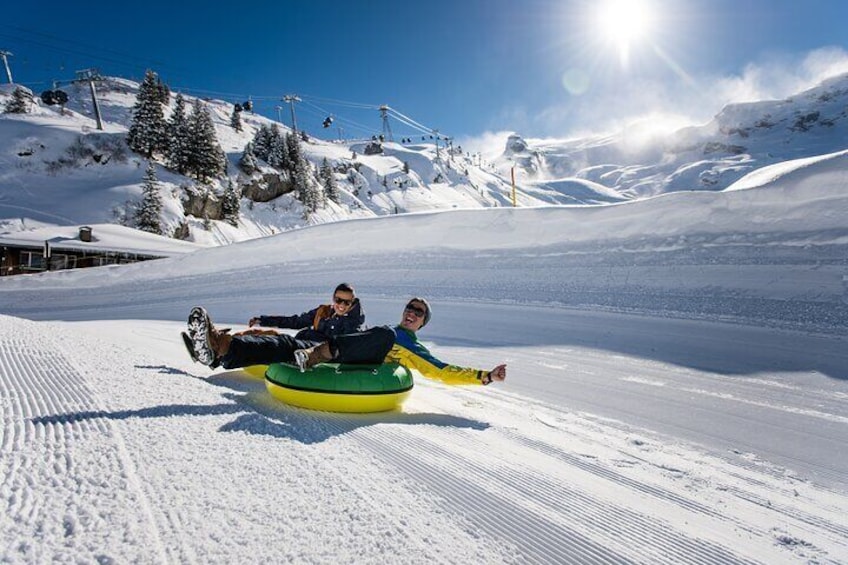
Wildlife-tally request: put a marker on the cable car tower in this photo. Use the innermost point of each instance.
(4, 55)
(387, 128)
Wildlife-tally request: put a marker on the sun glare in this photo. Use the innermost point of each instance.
(624, 23)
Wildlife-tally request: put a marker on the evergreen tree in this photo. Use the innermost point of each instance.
(18, 103)
(328, 179)
(148, 212)
(163, 92)
(147, 133)
(264, 140)
(308, 191)
(406, 167)
(179, 138)
(248, 162)
(207, 159)
(278, 152)
(231, 204)
(235, 119)
(293, 152)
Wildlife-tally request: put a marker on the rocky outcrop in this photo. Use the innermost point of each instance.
(266, 187)
(201, 202)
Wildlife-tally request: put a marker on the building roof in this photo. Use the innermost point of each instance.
(104, 238)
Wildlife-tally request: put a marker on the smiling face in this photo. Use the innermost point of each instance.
(413, 316)
(342, 302)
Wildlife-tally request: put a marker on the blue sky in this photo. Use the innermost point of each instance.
(470, 68)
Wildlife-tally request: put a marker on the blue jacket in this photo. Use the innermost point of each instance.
(321, 323)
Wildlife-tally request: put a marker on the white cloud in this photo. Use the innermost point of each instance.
(490, 144)
(781, 76)
(689, 100)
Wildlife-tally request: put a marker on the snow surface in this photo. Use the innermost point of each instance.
(104, 237)
(676, 393)
(53, 152)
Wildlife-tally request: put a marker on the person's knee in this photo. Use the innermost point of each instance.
(386, 336)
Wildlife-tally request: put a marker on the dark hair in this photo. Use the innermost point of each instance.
(426, 304)
(344, 287)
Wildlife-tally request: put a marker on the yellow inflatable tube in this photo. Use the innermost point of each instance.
(332, 387)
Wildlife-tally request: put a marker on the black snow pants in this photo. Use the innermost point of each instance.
(262, 350)
(368, 347)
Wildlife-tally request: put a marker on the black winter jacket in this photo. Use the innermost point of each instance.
(321, 323)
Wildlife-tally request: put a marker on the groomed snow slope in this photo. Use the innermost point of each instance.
(677, 391)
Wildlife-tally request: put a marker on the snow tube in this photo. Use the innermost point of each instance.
(334, 387)
(257, 371)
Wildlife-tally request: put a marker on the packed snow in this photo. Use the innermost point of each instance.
(676, 392)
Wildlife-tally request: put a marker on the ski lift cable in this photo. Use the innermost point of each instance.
(86, 50)
(341, 118)
(413, 125)
(349, 124)
(337, 102)
(410, 121)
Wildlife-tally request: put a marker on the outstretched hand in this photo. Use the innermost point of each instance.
(498, 373)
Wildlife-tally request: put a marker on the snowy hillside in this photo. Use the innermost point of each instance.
(57, 167)
(676, 392)
(640, 161)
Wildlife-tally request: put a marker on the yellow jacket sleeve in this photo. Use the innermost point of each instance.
(410, 353)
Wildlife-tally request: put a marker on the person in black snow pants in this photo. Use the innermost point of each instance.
(215, 348)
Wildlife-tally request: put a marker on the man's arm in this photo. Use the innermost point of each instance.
(413, 355)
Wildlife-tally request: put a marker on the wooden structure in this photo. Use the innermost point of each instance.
(54, 250)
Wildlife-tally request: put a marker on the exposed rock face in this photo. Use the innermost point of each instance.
(267, 187)
(515, 144)
(201, 202)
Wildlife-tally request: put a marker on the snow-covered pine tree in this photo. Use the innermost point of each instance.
(207, 159)
(278, 153)
(310, 193)
(164, 92)
(248, 163)
(231, 204)
(148, 212)
(328, 179)
(18, 103)
(179, 137)
(263, 140)
(147, 133)
(235, 119)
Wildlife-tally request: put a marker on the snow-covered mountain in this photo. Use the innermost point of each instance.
(636, 163)
(56, 167)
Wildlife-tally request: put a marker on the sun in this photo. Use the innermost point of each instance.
(625, 23)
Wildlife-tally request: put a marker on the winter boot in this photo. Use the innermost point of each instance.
(308, 358)
(189, 345)
(208, 343)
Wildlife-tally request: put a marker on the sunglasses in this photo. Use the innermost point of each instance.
(339, 300)
(412, 309)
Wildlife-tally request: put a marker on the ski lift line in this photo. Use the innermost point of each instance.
(410, 120)
(321, 114)
(71, 51)
(342, 102)
(414, 126)
(95, 48)
(136, 65)
(350, 124)
(339, 118)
